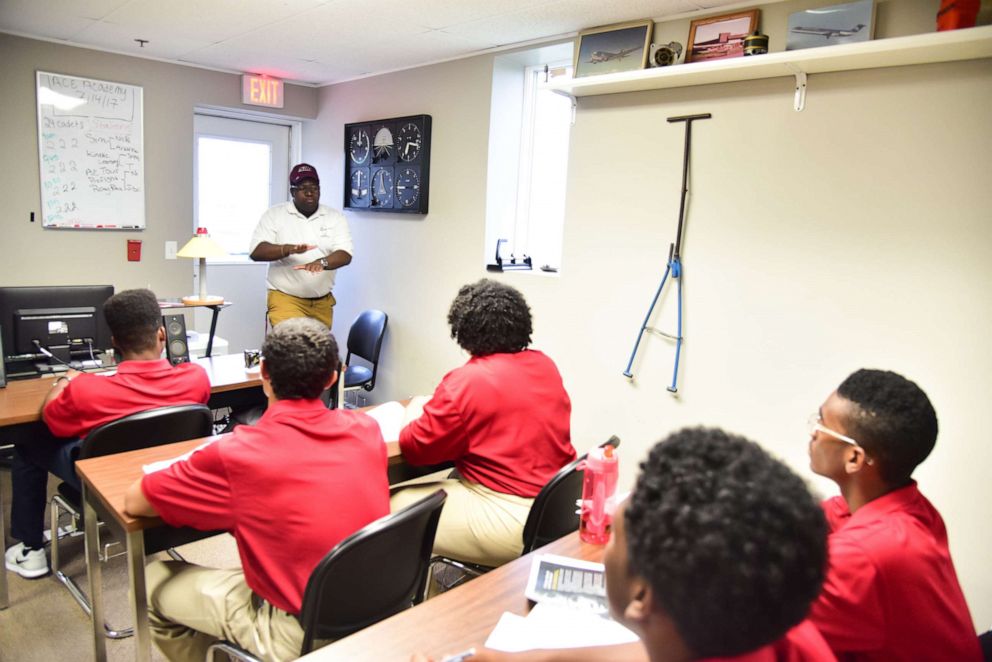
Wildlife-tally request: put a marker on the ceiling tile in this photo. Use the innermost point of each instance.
(212, 21)
(53, 19)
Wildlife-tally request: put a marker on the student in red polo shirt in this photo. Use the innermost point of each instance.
(717, 555)
(503, 418)
(891, 592)
(80, 402)
(288, 488)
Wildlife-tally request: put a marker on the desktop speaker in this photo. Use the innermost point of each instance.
(3, 366)
(176, 346)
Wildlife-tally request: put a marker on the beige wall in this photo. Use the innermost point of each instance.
(855, 233)
(34, 256)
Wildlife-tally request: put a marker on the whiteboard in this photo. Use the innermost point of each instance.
(91, 152)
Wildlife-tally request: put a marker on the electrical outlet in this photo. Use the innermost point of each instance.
(170, 250)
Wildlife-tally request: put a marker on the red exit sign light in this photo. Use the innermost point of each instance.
(261, 91)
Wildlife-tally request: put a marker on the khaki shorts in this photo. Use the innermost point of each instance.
(282, 306)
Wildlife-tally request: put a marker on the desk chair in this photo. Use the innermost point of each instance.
(553, 514)
(376, 572)
(364, 341)
(144, 429)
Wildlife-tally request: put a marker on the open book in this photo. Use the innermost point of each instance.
(393, 416)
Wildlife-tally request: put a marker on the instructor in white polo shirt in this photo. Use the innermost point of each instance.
(304, 243)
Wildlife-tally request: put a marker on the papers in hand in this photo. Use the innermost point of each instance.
(152, 467)
(393, 417)
(571, 610)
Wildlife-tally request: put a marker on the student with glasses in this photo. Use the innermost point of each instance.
(305, 243)
(891, 592)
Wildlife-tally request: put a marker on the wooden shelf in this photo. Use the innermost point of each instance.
(966, 44)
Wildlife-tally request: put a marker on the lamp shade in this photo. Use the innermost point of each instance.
(200, 247)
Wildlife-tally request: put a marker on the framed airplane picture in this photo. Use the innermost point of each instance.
(837, 24)
(612, 48)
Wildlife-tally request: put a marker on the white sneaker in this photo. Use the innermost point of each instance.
(28, 564)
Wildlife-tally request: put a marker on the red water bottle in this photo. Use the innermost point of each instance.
(598, 487)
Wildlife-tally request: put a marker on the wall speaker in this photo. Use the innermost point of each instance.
(176, 346)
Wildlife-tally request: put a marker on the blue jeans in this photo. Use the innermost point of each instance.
(33, 461)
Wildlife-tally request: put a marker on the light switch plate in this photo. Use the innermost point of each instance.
(170, 250)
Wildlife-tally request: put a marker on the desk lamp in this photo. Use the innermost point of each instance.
(202, 246)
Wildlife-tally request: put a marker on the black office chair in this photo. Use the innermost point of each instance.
(553, 514)
(365, 342)
(985, 641)
(376, 572)
(145, 429)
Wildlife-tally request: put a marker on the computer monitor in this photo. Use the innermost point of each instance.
(66, 320)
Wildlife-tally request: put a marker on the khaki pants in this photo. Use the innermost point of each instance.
(477, 524)
(191, 607)
(282, 306)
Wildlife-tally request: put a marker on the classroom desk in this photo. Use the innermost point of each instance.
(20, 401)
(20, 412)
(455, 620)
(105, 480)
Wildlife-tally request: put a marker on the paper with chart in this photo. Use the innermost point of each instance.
(571, 609)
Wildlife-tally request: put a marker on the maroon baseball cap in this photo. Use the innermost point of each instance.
(302, 171)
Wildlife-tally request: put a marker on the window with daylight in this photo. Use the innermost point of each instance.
(528, 159)
(241, 169)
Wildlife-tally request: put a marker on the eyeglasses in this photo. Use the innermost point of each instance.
(306, 189)
(813, 425)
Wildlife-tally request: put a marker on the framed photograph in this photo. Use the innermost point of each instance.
(613, 48)
(719, 37)
(837, 24)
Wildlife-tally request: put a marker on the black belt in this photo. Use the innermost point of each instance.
(257, 602)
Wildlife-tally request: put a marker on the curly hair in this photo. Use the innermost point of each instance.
(892, 419)
(300, 355)
(730, 539)
(488, 317)
(134, 318)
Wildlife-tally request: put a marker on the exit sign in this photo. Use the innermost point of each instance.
(261, 91)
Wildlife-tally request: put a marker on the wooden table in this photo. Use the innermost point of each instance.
(105, 480)
(20, 412)
(453, 621)
(20, 401)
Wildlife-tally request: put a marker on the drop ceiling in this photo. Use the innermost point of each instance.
(319, 42)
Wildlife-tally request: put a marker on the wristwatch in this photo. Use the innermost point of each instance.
(323, 262)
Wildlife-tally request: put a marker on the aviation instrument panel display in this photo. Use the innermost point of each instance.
(387, 164)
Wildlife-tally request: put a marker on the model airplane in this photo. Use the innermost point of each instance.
(827, 33)
(606, 56)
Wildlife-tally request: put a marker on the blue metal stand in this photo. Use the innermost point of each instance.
(674, 266)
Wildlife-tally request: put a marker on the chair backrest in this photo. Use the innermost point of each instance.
(365, 337)
(372, 574)
(145, 429)
(554, 511)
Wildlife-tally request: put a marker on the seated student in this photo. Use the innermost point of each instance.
(289, 489)
(80, 402)
(717, 555)
(891, 592)
(503, 418)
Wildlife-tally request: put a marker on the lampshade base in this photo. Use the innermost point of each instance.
(197, 300)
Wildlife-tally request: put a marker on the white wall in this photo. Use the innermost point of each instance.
(855, 233)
